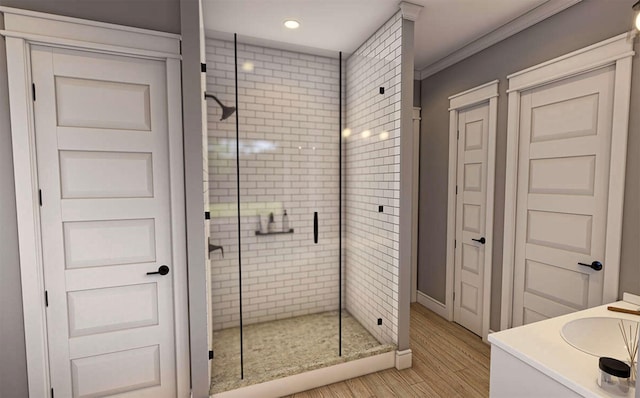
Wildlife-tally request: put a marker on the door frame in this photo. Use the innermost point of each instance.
(488, 93)
(617, 51)
(417, 120)
(22, 30)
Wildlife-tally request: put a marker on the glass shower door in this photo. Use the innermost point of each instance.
(288, 113)
(276, 291)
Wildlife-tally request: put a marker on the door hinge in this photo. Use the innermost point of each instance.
(454, 296)
(458, 135)
(210, 354)
(207, 215)
(203, 67)
(456, 189)
(455, 243)
(46, 298)
(33, 91)
(52, 393)
(40, 197)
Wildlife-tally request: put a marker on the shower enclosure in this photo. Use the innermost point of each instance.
(278, 283)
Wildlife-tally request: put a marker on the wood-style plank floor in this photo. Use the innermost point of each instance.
(448, 361)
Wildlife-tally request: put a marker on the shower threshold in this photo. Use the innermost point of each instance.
(287, 347)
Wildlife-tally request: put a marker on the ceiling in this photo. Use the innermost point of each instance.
(443, 26)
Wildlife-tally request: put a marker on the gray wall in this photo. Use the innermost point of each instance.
(586, 23)
(165, 17)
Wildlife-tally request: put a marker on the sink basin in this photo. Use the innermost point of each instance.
(599, 336)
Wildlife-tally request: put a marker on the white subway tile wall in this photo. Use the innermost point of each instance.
(289, 137)
(373, 180)
(288, 110)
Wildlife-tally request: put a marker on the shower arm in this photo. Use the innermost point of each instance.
(226, 110)
(214, 97)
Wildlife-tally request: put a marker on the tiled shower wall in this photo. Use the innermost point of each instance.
(289, 137)
(373, 180)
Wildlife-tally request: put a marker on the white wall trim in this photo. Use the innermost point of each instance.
(178, 226)
(28, 215)
(474, 96)
(20, 26)
(433, 305)
(487, 92)
(314, 378)
(23, 22)
(410, 11)
(519, 24)
(79, 44)
(616, 51)
(404, 359)
(588, 58)
(491, 177)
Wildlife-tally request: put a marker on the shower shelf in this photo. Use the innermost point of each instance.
(275, 232)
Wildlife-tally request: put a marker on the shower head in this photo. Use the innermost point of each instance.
(226, 110)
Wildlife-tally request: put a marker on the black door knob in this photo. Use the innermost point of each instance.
(596, 265)
(162, 270)
(481, 240)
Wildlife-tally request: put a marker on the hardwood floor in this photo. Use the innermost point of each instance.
(448, 361)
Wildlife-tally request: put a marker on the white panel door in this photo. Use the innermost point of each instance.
(563, 185)
(103, 171)
(471, 200)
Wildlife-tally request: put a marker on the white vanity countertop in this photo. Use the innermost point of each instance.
(541, 346)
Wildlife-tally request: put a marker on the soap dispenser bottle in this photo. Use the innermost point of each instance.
(285, 222)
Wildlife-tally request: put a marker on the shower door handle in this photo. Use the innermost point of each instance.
(315, 227)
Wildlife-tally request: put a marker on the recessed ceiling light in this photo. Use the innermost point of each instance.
(292, 24)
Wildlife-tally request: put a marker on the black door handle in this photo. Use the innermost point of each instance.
(315, 227)
(481, 240)
(163, 270)
(596, 265)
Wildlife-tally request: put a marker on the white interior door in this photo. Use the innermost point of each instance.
(562, 194)
(471, 200)
(103, 171)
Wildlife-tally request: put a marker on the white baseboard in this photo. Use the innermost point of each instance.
(404, 359)
(315, 378)
(433, 304)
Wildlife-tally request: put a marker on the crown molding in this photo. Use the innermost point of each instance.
(410, 11)
(519, 24)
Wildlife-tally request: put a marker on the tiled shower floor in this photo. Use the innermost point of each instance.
(287, 347)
